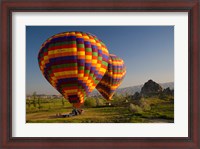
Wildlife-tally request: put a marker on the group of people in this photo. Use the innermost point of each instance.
(74, 112)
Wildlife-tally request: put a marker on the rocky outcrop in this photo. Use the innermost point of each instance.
(168, 91)
(150, 88)
(136, 96)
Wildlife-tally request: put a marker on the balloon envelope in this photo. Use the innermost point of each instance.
(73, 63)
(113, 77)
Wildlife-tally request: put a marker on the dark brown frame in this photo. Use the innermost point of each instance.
(9, 6)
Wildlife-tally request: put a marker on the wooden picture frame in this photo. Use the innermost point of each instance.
(7, 7)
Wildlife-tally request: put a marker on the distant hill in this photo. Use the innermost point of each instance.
(166, 85)
(132, 89)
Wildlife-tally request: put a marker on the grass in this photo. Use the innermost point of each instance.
(160, 111)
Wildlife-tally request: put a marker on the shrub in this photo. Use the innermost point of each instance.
(163, 96)
(144, 105)
(118, 100)
(99, 101)
(135, 108)
(90, 102)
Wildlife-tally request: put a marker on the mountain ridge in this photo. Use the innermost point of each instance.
(133, 89)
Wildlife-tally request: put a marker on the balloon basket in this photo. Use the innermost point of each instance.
(75, 112)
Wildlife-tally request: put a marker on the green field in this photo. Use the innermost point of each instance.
(123, 109)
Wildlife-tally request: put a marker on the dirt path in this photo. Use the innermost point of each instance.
(160, 121)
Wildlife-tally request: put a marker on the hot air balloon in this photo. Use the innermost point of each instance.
(113, 77)
(73, 63)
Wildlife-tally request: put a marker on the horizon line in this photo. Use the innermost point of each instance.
(118, 88)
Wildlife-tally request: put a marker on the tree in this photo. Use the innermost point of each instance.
(63, 102)
(39, 103)
(97, 101)
(34, 99)
(28, 102)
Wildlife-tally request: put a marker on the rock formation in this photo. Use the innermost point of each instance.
(150, 88)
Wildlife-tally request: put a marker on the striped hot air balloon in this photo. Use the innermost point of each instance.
(73, 63)
(113, 77)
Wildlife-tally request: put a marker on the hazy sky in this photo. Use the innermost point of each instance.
(148, 52)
